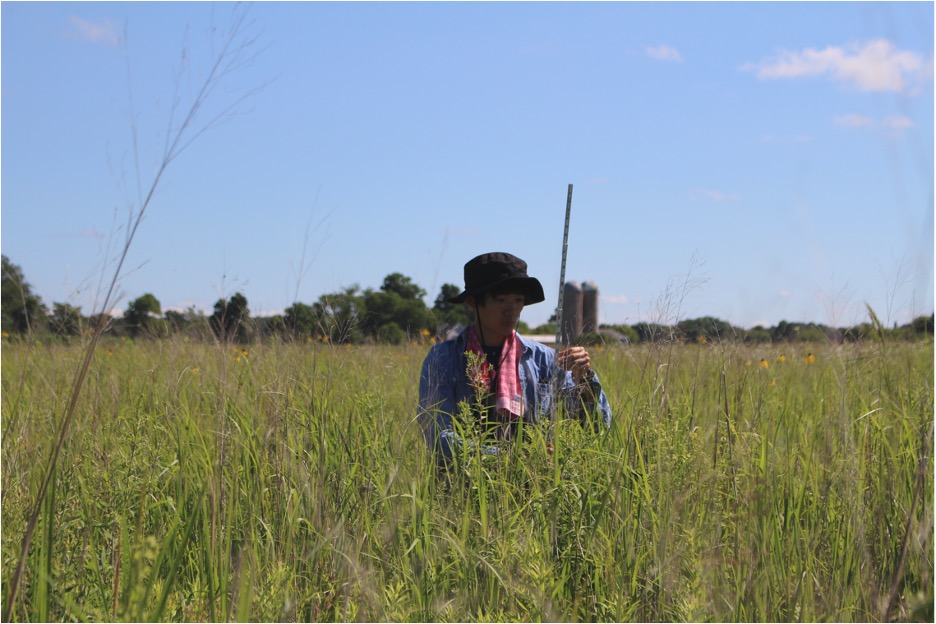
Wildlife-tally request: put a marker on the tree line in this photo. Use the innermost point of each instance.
(393, 313)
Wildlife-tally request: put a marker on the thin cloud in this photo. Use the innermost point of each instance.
(104, 31)
(894, 123)
(712, 195)
(663, 53)
(874, 66)
(853, 121)
(615, 299)
(898, 122)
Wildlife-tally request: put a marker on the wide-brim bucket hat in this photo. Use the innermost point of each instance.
(499, 270)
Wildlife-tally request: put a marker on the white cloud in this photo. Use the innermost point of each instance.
(895, 123)
(663, 53)
(615, 299)
(785, 294)
(898, 122)
(104, 31)
(874, 66)
(712, 195)
(853, 121)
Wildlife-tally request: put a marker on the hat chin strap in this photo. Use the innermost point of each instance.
(478, 323)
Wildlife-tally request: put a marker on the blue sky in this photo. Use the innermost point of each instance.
(756, 162)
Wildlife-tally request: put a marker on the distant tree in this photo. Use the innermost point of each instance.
(102, 322)
(653, 332)
(176, 321)
(22, 311)
(65, 320)
(300, 320)
(141, 314)
(191, 322)
(857, 333)
(758, 334)
(229, 319)
(388, 307)
(339, 315)
(547, 329)
(448, 291)
(403, 286)
(450, 313)
(626, 331)
(812, 332)
(390, 333)
(706, 328)
(275, 325)
(784, 332)
(923, 325)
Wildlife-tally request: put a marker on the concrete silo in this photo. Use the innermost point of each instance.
(589, 308)
(571, 312)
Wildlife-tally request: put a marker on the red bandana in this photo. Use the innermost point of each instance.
(509, 393)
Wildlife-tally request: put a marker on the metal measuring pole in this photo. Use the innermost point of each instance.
(556, 370)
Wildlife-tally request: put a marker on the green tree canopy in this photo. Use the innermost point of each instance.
(65, 319)
(403, 286)
(229, 319)
(410, 316)
(141, 313)
(451, 313)
(339, 315)
(705, 329)
(22, 311)
(300, 320)
(448, 291)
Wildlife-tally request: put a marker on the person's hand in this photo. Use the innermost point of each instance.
(577, 360)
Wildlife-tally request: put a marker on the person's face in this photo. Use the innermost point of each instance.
(498, 315)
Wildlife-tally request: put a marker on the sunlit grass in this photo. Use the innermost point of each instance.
(287, 482)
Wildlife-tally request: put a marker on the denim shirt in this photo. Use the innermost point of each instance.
(443, 384)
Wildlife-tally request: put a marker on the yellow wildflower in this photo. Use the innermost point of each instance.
(6, 334)
(764, 364)
(810, 358)
(773, 382)
(194, 370)
(782, 358)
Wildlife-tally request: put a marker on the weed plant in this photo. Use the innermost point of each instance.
(290, 482)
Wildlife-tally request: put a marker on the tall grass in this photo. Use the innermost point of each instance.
(290, 482)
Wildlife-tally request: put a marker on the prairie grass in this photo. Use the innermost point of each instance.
(287, 482)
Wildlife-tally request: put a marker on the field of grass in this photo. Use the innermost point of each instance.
(288, 482)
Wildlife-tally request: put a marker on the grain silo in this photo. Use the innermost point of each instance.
(589, 308)
(571, 312)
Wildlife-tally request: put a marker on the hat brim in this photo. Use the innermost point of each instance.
(529, 287)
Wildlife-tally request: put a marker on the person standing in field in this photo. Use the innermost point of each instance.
(489, 379)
